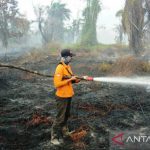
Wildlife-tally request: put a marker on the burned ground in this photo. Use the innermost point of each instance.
(27, 108)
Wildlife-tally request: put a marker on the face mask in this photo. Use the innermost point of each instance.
(67, 59)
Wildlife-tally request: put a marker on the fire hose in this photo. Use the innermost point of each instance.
(87, 78)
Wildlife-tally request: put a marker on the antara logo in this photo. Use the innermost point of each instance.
(118, 139)
(141, 138)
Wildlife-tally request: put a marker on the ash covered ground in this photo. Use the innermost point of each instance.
(27, 108)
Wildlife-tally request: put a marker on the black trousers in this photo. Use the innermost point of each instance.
(63, 113)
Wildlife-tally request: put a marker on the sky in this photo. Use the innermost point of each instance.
(106, 21)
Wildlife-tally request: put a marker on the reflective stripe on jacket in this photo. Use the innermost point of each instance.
(64, 88)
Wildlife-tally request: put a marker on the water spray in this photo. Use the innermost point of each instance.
(122, 80)
(119, 80)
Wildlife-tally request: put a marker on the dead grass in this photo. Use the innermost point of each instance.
(52, 48)
(105, 67)
(80, 146)
(125, 66)
(129, 65)
(33, 56)
(145, 66)
(38, 119)
(37, 54)
(77, 135)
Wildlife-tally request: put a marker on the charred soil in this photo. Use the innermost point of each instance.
(27, 108)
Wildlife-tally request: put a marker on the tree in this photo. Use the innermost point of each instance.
(119, 28)
(39, 12)
(147, 7)
(51, 21)
(90, 15)
(133, 23)
(19, 27)
(8, 12)
(72, 32)
(119, 36)
(57, 14)
(147, 22)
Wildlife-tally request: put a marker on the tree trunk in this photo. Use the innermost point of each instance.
(136, 25)
(133, 24)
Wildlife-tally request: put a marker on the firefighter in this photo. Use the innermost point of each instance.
(64, 94)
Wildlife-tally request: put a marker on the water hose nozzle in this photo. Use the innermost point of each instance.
(88, 78)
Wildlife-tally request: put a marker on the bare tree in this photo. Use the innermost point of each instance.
(40, 12)
(133, 24)
(8, 12)
(51, 21)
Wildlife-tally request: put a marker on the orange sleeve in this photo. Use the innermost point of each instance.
(58, 82)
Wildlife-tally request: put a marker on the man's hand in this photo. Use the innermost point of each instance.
(73, 78)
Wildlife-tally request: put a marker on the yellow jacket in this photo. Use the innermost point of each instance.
(63, 86)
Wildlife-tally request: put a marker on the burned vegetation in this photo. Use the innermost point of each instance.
(28, 109)
(27, 98)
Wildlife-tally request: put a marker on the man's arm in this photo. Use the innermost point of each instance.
(58, 82)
